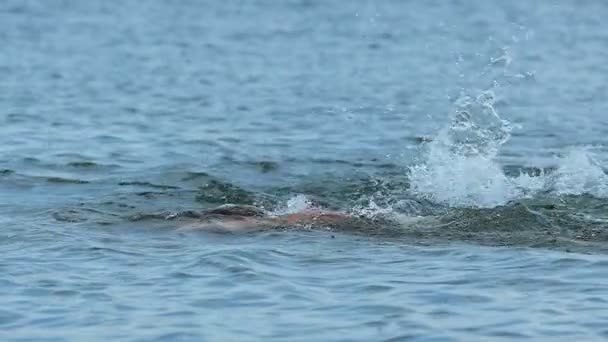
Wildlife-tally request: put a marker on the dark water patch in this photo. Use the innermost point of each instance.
(118, 205)
(39, 169)
(178, 336)
(73, 156)
(83, 164)
(230, 140)
(374, 163)
(420, 140)
(516, 225)
(129, 201)
(185, 275)
(154, 194)
(149, 185)
(191, 176)
(376, 288)
(218, 192)
(31, 161)
(15, 118)
(65, 293)
(86, 166)
(110, 250)
(61, 180)
(109, 139)
(70, 216)
(9, 317)
(518, 170)
(6, 172)
(510, 218)
(265, 166)
(204, 142)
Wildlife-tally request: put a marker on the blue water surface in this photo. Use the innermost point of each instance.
(481, 125)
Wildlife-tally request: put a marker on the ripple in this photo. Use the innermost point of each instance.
(71, 216)
(148, 185)
(61, 180)
(9, 317)
(91, 166)
(109, 250)
(266, 166)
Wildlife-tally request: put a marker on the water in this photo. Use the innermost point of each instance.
(479, 127)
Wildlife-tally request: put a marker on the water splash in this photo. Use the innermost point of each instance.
(294, 205)
(579, 172)
(460, 169)
(475, 127)
(372, 210)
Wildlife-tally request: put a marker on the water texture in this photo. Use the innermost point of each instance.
(478, 128)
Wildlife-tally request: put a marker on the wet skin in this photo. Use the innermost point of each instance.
(246, 218)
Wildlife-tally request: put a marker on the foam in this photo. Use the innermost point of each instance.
(460, 170)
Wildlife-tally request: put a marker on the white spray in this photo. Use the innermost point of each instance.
(460, 169)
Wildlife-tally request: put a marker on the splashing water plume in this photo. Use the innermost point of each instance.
(460, 169)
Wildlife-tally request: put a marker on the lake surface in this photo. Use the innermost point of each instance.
(478, 127)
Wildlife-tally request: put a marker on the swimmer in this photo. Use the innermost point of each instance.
(234, 218)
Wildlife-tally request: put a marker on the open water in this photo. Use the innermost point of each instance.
(479, 126)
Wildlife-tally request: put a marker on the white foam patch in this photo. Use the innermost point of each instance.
(579, 173)
(395, 213)
(372, 210)
(463, 182)
(294, 205)
(460, 170)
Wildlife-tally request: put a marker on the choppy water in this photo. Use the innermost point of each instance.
(479, 127)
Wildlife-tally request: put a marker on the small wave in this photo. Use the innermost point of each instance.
(148, 185)
(83, 164)
(192, 175)
(61, 180)
(265, 166)
(69, 216)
